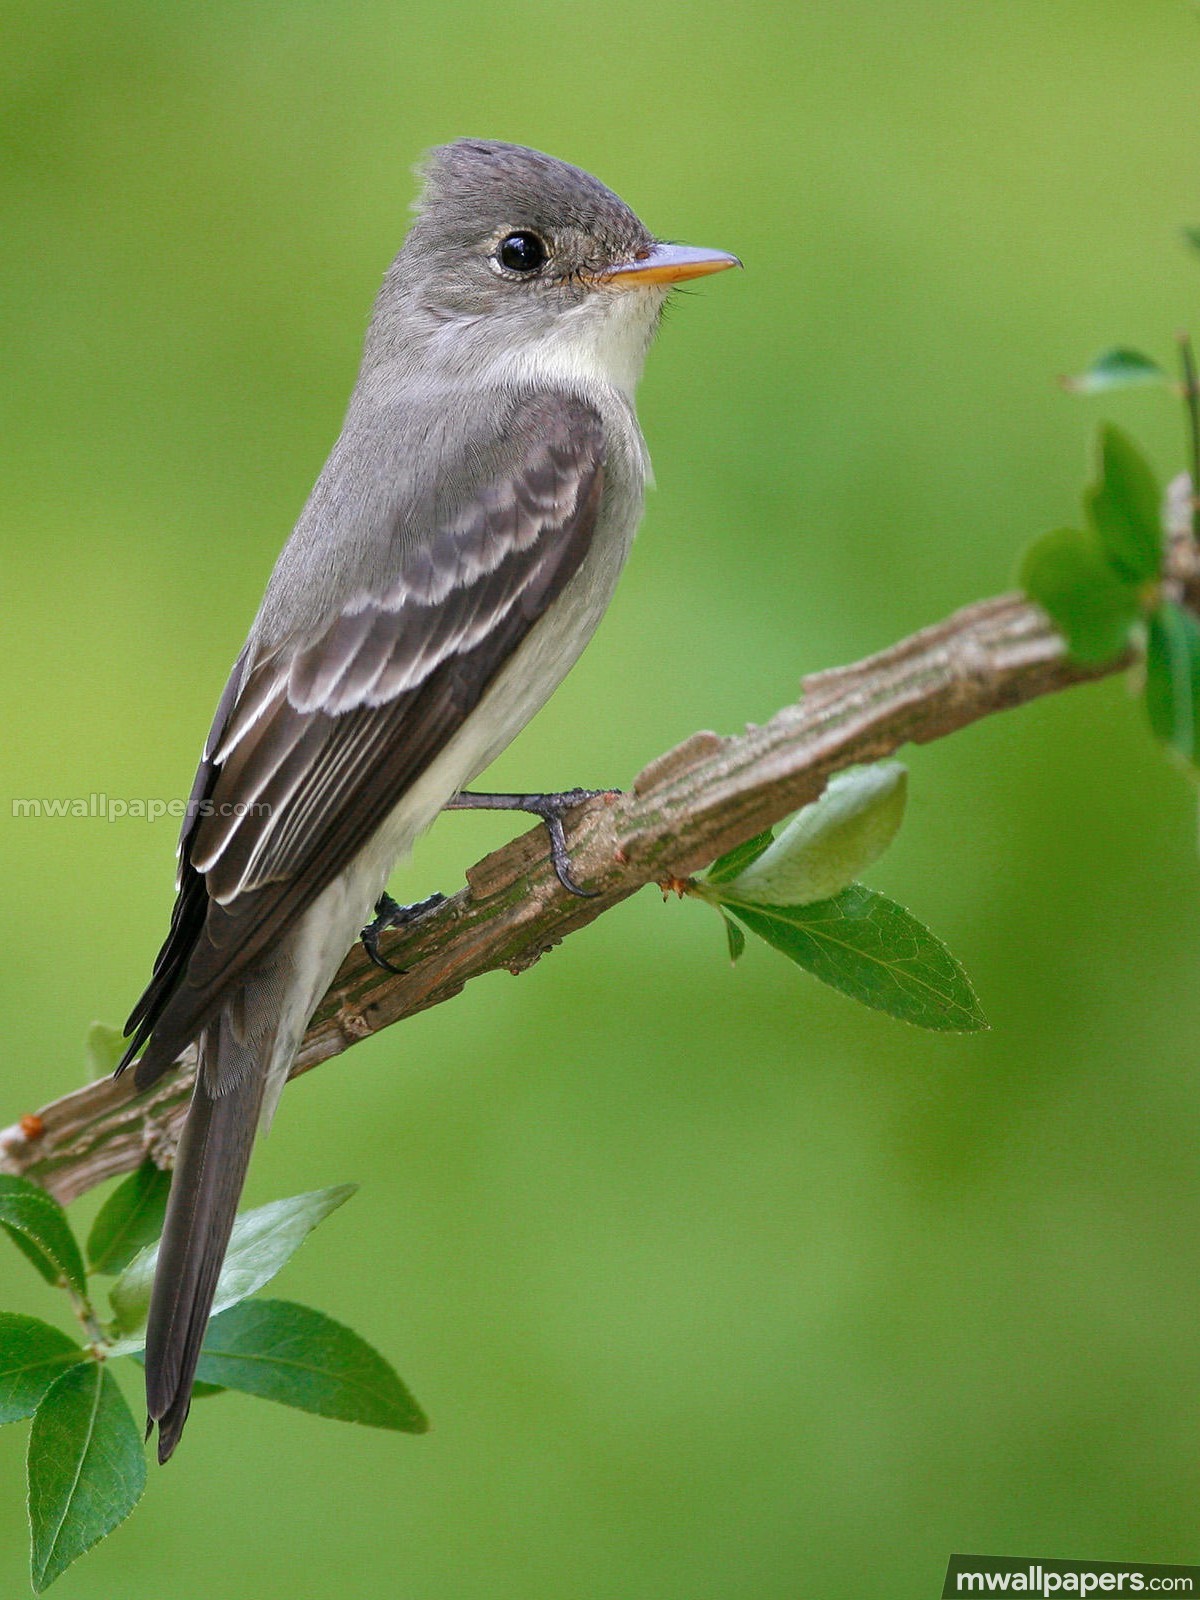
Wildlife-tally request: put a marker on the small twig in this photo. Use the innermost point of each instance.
(88, 1321)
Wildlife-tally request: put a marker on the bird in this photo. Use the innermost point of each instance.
(455, 556)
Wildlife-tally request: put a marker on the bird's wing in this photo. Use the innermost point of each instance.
(316, 741)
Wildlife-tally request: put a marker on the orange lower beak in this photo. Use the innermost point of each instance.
(667, 263)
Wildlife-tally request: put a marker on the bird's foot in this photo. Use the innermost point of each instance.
(390, 914)
(551, 808)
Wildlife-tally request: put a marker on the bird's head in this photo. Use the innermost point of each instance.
(519, 266)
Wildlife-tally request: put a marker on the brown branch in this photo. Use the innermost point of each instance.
(686, 808)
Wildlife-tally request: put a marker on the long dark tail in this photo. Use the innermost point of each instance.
(210, 1169)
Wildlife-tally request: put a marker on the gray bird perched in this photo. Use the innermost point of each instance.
(460, 546)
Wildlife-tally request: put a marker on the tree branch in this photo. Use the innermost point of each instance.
(685, 808)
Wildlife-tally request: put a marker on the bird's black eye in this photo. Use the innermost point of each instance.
(521, 252)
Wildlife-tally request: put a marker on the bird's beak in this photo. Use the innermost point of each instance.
(666, 263)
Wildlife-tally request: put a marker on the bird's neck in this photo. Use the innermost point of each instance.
(598, 345)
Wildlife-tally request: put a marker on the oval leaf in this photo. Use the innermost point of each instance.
(263, 1240)
(873, 950)
(39, 1225)
(300, 1357)
(130, 1219)
(87, 1469)
(830, 843)
(1125, 508)
(1120, 368)
(32, 1356)
(739, 858)
(1067, 574)
(1173, 678)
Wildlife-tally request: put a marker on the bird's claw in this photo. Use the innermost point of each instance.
(550, 809)
(551, 815)
(390, 914)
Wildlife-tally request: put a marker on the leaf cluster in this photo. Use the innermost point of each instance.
(1103, 583)
(86, 1460)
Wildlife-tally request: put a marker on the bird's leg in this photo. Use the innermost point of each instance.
(388, 914)
(551, 808)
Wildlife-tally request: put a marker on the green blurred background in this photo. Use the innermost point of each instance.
(713, 1283)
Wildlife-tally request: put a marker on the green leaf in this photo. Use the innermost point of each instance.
(1125, 508)
(1067, 574)
(1192, 236)
(38, 1224)
(739, 858)
(829, 843)
(104, 1048)
(262, 1242)
(32, 1356)
(1173, 678)
(1119, 368)
(300, 1357)
(87, 1469)
(129, 1219)
(735, 936)
(873, 950)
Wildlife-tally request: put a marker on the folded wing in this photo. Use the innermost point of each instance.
(316, 741)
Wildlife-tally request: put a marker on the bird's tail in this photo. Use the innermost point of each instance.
(210, 1170)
